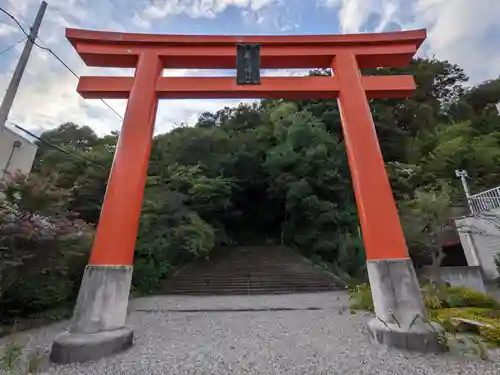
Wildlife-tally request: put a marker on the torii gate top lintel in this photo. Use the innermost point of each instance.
(115, 49)
(122, 50)
(412, 36)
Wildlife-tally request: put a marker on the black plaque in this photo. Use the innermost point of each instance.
(248, 64)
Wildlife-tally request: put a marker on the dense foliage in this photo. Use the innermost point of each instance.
(43, 247)
(276, 171)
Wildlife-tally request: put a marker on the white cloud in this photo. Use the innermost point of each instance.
(284, 72)
(461, 31)
(388, 14)
(6, 30)
(195, 9)
(353, 14)
(20, 6)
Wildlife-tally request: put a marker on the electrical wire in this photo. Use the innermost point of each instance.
(54, 55)
(12, 46)
(81, 158)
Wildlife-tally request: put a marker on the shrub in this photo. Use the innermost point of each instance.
(161, 249)
(361, 297)
(491, 335)
(491, 317)
(195, 237)
(43, 248)
(431, 301)
(465, 297)
(148, 273)
(453, 296)
(15, 361)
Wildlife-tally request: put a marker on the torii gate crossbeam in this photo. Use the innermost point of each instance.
(101, 308)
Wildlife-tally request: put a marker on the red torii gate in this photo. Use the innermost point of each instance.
(107, 278)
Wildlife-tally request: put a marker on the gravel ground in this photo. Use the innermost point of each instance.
(326, 341)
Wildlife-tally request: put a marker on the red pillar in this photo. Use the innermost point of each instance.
(119, 221)
(382, 233)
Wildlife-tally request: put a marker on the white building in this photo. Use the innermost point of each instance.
(17, 153)
(480, 231)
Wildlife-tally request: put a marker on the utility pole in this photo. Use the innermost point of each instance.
(10, 94)
(463, 175)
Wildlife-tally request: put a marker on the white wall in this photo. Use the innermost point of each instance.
(469, 277)
(480, 240)
(13, 158)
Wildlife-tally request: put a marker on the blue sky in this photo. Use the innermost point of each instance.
(462, 31)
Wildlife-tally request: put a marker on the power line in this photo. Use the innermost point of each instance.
(81, 158)
(12, 46)
(56, 56)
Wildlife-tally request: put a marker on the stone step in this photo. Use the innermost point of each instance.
(222, 280)
(269, 270)
(246, 282)
(253, 282)
(246, 286)
(253, 273)
(246, 291)
(279, 276)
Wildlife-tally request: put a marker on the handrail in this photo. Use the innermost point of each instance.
(484, 201)
(484, 192)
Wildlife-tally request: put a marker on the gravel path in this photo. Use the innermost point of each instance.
(328, 340)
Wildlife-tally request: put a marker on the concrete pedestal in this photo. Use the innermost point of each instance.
(98, 326)
(402, 321)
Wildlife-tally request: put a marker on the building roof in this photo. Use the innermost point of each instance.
(19, 135)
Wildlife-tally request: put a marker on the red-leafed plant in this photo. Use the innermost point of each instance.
(43, 246)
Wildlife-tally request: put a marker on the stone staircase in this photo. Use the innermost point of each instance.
(250, 271)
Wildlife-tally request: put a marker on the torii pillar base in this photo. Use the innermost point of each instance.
(402, 321)
(98, 327)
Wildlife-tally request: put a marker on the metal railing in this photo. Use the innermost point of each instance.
(485, 201)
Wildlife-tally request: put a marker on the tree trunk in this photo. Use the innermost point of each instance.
(437, 257)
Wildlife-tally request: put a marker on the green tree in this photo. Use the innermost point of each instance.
(425, 218)
(78, 140)
(483, 96)
(81, 161)
(179, 222)
(309, 175)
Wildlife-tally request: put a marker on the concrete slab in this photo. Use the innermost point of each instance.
(81, 347)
